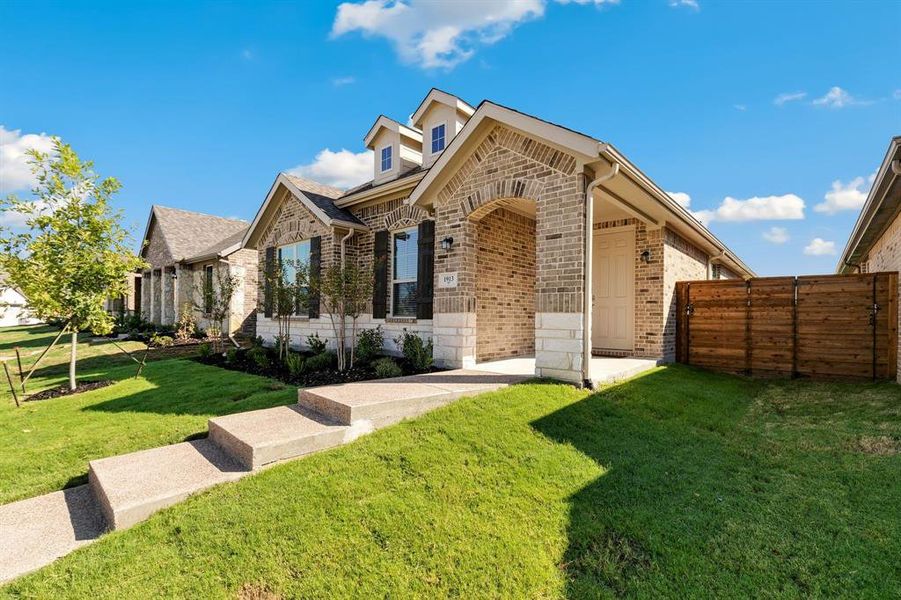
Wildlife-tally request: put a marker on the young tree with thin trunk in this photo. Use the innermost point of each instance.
(285, 287)
(344, 292)
(73, 252)
(213, 298)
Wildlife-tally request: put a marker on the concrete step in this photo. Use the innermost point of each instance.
(385, 401)
(37, 531)
(131, 487)
(261, 437)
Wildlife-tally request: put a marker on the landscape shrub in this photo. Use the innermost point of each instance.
(231, 355)
(320, 362)
(294, 363)
(316, 344)
(259, 356)
(386, 367)
(186, 323)
(205, 350)
(161, 341)
(369, 344)
(417, 351)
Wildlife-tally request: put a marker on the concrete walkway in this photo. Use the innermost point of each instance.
(124, 490)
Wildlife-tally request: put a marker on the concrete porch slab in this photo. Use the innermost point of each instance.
(261, 437)
(605, 371)
(37, 531)
(386, 401)
(131, 487)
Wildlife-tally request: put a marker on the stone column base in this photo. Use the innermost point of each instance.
(558, 346)
(454, 336)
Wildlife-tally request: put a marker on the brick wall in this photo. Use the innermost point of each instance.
(885, 255)
(506, 167)
(683, 262)
(505, 286)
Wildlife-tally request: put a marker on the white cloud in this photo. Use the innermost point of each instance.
(435, 34)
(788, 97)
(849, 196)
(836, 97)
(819, 247)
(15, 171)
(897, 95)
(342, 81)
(439, 34)
(741, 107)
(776, 235)
(767, 208)
(681, 198)
(343, 169)
(688, 3)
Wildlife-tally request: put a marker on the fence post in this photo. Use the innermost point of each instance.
(748, 328)
(794, 372)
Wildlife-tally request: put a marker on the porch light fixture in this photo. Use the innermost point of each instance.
(447, 243)
(646, 256)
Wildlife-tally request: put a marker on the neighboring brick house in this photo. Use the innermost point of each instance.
(476, 222)
(875, 242)
(186, 250)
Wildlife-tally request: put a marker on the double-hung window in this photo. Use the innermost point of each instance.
(386, 159)
(405, 253)
(293, 259)
(438, 138)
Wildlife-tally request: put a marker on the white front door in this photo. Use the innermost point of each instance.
(613, 283)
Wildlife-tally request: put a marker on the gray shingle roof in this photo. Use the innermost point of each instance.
(323, 196)
(221, 245)
(190, 234)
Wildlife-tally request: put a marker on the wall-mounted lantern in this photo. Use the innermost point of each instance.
(447, 243)
(645, 257)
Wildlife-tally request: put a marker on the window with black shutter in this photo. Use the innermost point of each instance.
(315, 274)
(380, 288)
(425, 270)
(267, 286)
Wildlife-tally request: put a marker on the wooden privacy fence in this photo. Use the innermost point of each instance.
(827, 326)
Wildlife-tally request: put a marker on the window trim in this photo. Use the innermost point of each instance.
(390, 148)
(298, 312)
(432, 137)
(394, 281)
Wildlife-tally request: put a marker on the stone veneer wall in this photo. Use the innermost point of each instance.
(508, 165)
(682, 262)
(885, 255)
(505, 286)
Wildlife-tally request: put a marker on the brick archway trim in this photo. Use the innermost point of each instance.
(500, 193)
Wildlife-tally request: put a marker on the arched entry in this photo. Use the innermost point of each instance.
(505, 278)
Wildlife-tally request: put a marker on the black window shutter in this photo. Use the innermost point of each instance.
(267, 286)
(425, 270)
(315, 273)
(380, 290)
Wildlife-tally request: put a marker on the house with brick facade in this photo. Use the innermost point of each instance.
(188, 250)
(875, 242)
(498, 234)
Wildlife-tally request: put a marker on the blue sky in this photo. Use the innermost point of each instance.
(199, 106)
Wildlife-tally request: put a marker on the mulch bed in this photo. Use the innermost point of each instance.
(63, 390)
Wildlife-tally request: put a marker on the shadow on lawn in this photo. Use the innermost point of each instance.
(185, 387)
(665, 482)
(38, 338)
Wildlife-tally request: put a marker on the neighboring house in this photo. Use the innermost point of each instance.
(875, 241)
(185, 250)
(13, 306)
(475, 221)
(130, 302)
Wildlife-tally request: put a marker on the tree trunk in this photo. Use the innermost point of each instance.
(72, 355)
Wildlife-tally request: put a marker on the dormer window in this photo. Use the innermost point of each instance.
(386, 159)
(438, 138)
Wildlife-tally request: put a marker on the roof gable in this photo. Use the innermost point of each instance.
(438, 96)
(185, 234)
(318, 198)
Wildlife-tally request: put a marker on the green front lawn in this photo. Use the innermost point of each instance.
(46, 445)
(679, 483)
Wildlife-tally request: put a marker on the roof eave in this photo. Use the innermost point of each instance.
(871, 207)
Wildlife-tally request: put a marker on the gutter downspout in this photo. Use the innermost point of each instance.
(587, 291)
(350, 234)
